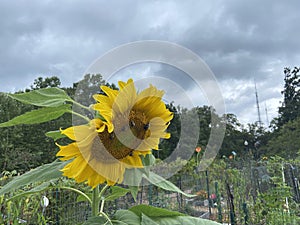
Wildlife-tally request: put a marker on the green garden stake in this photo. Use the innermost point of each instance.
(208, 194)
(231, 205)
(218, 203)
(150, 187)
(232, 218)
(246, 213)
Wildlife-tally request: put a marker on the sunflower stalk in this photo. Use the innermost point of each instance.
(97, 196)
(95, 201)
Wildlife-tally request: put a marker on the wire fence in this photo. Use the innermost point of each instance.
(217, 196)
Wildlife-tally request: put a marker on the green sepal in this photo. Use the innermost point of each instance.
(55, 135)
(134, 191)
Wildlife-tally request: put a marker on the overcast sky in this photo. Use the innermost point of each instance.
(243, 42)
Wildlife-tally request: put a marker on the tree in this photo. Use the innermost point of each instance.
(234, 137)
(167, 146)
(25, 146)
(87, 87)
(290, 108)
(40, 82)
(286, 143)
(283, 140)
(204, 114)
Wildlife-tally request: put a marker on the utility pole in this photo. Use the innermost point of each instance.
(267, 117)
(257, 105)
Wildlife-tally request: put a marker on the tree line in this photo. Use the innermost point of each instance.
(26, 146)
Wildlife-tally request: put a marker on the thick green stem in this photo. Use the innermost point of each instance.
(95, 202)
(97, 196)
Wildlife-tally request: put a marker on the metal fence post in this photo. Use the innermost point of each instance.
(218, 203)
(245, 209)
(208, 194)
(150, 194)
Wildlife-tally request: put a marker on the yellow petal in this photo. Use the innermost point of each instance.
(133, 161)
(68, 152)
(77, 132)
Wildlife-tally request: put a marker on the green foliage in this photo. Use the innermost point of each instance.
(48, 97)
(18, 144)
(174, 129)
(153, 211)
(38, 116)
(285, 142)
(234, 137)
(164, 184)
(95, 220)
(55, 135)
(40, 82)
(290, 108)
(41, 174)
(146, 215)
(275, 205)
(87, 87)
(116, 192)
(126, 217)
(19, 150)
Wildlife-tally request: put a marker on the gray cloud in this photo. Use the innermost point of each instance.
(241, 41)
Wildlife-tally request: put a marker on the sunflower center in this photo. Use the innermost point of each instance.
(128, 134)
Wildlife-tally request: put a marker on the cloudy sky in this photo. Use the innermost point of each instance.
(242, 42)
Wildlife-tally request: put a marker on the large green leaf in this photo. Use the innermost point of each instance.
(96, 220)
(140, 216)
(38, 116)
(183, 220)
(116, 192)
(43, 173)
(152, 211)
(126, 217)
(43, 186)
(164, 184)
(147, 221)
(134, 191)
(48, 97)
(133, 177)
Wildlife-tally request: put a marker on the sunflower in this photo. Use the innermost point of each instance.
(131, 125)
